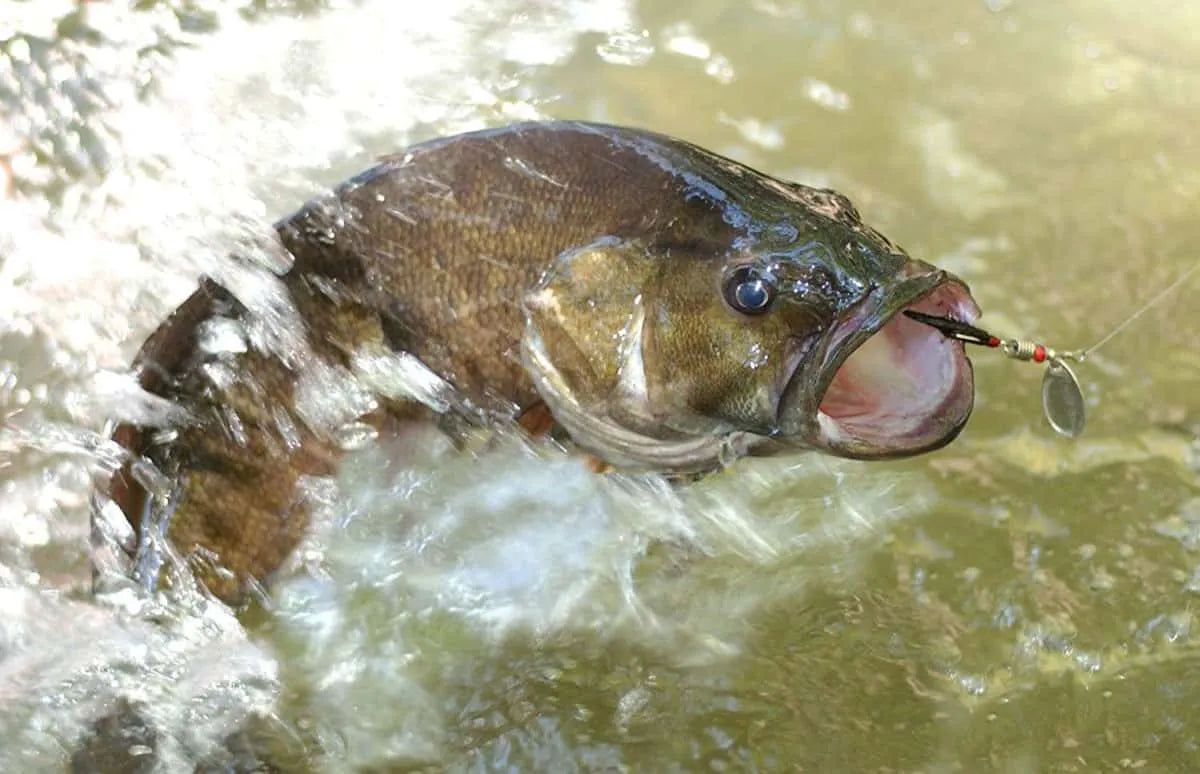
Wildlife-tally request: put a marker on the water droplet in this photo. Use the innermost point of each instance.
(757, 357)
(402, 375)
(220, 336)
(220, 375)
(234, 426)
(974, 685)
(758, 132)
(355, 435)
(719, 68)
(826, 95)
(626, 48)
(682, 39)
(286, 427)
(149, 477)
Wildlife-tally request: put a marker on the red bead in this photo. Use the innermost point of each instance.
(993, 341)
(1039, 353)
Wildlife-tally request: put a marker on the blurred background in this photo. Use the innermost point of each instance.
(1014, 602)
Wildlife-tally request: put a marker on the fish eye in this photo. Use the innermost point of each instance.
(748, 292)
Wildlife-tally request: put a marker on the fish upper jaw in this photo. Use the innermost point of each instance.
(882, 385)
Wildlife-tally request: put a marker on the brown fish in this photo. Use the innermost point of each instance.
(668, 308)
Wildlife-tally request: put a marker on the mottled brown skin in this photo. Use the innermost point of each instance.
(431, 252)
(440, 265)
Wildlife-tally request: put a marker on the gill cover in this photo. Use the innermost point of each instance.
(638, 357)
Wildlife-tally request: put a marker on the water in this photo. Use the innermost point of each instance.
(1015, 602)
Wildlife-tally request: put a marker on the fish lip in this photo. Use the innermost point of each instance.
(937, 415)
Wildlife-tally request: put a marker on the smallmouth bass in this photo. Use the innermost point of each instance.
(667, 308)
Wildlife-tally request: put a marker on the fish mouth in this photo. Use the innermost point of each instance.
(891, 386)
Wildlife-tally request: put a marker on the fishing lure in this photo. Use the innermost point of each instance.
(1062, 398)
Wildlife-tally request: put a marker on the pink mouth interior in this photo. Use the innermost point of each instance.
(905, 389)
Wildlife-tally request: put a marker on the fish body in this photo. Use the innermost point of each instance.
(669, 308)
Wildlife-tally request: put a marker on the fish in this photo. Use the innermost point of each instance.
(663, 308)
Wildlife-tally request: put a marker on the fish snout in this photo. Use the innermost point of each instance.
(888, 386)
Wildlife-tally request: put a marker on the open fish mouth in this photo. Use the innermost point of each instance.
(903, 389)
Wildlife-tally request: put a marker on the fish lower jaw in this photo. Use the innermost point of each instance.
(889, 436)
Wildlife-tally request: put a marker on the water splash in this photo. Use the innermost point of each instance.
(438, 566)
(143, 157)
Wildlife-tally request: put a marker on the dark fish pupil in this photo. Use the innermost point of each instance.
(752, 294)
(747, 292)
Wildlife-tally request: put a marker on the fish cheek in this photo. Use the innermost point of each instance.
(710, 368)
(583, 316)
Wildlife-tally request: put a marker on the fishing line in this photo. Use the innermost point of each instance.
(1062, 397)
(1182, 278)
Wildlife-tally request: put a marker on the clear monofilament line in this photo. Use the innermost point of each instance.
(1083, 353)
(1062, 398)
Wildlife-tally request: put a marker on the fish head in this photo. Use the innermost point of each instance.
(790, 334)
